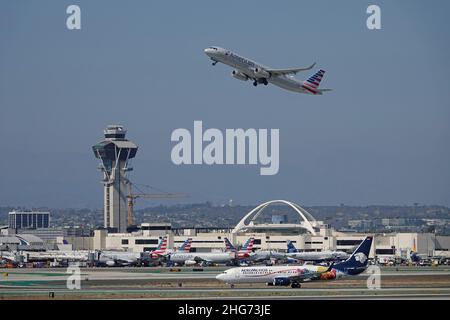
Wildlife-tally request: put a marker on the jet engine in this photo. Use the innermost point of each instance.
(110, 263)
(239, 76)
(260, 73)
(281, 282)
(190, 262)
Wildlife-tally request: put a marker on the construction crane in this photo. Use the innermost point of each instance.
(133, 196)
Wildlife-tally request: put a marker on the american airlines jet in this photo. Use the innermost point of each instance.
(294, 275)
(327, 255)
(245, 252)
(246, 69)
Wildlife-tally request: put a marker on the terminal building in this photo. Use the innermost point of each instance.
(28, 220)
(307, 234)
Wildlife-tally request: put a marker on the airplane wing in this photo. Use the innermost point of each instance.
(289, 71)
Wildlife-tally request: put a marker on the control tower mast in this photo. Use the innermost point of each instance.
(115, 153)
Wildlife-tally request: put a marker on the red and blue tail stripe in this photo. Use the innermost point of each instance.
(312, 83)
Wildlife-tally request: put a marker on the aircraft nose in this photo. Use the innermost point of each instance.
(208, 51)
(220, 277)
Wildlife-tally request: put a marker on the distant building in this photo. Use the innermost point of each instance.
(24, 242)
(29, 220)
(48, 235)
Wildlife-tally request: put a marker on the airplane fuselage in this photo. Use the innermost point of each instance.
(247, 68)
(213, 257)
(318, 256)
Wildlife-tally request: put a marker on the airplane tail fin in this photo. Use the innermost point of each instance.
(290, 247)
(186, 246)
(312, 83)
(413, 253)
(229, 246)
(162, 244)
(358, 261)
(248, 245)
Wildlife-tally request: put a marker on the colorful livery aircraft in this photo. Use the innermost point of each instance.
(246, 69)
(294, 275)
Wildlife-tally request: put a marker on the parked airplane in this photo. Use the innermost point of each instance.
(266, 256)
(245, 252)
(118, 258)
(327, 255)
(294, 275)
(202, 258)
(246, 69)
(112, 258)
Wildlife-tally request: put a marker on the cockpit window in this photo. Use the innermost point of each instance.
(214, 48)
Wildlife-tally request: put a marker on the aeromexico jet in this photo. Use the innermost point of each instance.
(246, 69)
(294, 275)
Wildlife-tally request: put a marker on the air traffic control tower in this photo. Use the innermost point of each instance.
(115, 152)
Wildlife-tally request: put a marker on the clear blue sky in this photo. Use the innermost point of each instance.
(381, 137)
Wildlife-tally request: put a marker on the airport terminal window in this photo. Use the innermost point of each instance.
(277, 241)
(348, 242)
(385, 251)
(124, 241)
(161, 228)
(146, 241)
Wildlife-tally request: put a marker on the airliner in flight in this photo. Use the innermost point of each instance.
(246, 69)
(294, 275)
